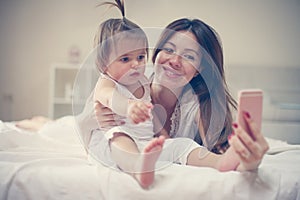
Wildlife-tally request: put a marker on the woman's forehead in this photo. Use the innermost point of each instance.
(185, 39)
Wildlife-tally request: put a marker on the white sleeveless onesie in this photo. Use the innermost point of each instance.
(140, 131)
(175, 150)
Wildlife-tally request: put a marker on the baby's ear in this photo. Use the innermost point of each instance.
(101, 67)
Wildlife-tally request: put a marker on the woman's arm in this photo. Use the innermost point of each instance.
(244, 153)
(249, 149)
(105, 117)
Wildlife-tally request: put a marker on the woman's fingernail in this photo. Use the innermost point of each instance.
(234, 125)
(229, 136)
(247, 115)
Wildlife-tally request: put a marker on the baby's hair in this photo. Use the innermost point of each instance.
(119, 4)
(109, 33)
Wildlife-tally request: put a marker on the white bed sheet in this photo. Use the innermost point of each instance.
(52, 164)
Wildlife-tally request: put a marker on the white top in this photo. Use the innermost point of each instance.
(183, 120)
(142, 130)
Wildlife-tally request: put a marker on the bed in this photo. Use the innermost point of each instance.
(53, 164)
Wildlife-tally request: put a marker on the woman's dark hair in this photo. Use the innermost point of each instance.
(207, 89)
(113, 29)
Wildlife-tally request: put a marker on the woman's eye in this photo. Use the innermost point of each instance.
(124, 59)
(189, 57)
(168, 50)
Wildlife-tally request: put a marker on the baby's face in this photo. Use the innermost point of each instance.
(127, 61)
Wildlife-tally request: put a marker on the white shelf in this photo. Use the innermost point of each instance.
(63, 100)
(61, 88)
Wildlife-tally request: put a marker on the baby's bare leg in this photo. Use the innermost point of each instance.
(140, 165)
(149, 158)
(124, 152)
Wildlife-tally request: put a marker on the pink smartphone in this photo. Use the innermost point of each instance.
(251, 101)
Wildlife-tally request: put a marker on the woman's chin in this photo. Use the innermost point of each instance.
(171, 83)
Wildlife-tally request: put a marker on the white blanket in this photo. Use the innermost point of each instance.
(52, 164)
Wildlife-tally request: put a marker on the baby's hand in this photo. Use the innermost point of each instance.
(139, 111)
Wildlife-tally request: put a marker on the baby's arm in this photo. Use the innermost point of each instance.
(139, 111)
(106, 94)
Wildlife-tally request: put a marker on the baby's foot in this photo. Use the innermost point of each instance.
(149, 158)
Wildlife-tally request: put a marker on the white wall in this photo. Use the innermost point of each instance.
(34, 34)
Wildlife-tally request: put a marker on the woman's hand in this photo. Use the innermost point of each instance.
(105, 117)
(250, 147)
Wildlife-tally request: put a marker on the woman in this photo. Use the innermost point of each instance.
(191, 88)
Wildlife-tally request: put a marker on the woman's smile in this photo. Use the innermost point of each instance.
(171, 73)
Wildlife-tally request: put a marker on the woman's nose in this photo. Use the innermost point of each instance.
(175, 60)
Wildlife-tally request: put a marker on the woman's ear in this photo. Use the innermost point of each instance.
(199, 70)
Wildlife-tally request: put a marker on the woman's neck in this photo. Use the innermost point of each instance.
(164, 96)
(167, 99)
